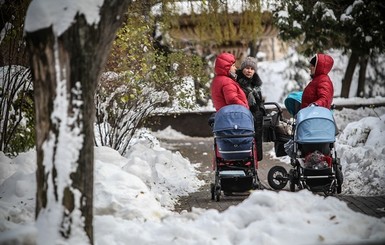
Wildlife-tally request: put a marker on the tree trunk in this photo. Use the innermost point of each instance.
(362, 76)
(65, 71)
(254, 47)
(347, 80)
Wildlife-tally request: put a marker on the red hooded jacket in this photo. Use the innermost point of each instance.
(320, 90)
(224, 89)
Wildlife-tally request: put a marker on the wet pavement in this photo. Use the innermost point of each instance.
(199, 151)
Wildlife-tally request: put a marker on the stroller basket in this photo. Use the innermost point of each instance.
(318, 177)
(236, 183)
(234, 132)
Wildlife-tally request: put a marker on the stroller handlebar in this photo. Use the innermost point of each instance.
(275, 104)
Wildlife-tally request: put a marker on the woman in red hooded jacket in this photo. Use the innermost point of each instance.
(224, 88)
(320, 90)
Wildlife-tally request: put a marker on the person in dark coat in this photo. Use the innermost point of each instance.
(224, 88)
(320, 90)
(251, 83)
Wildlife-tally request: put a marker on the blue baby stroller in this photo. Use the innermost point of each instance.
(313, 157)
(235, 161)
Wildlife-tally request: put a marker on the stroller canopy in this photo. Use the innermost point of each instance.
(233, 117)
(293, 102)
(315, 124)
(234, 132)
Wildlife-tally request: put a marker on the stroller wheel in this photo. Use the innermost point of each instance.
(218, 195)
(212, 188)
(257, 186)
(293, 179)
(339, 177)
(277, 177)
(292, 186)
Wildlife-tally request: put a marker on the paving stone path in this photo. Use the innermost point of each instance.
(199, 151)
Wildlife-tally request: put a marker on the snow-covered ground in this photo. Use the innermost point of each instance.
(134, 194)
(137, 192)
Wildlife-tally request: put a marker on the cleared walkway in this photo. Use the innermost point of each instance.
(199, 150)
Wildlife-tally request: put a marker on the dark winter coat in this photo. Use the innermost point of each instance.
(320, 90)
(252, 89)
(224, 89)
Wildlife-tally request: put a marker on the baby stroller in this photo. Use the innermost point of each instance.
(315, 165)
(235, 161)
(276, 128)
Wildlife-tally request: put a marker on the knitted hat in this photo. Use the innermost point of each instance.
(313, 60)
(249, 61)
